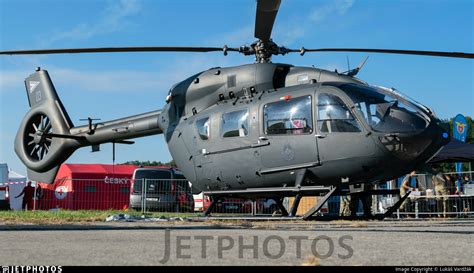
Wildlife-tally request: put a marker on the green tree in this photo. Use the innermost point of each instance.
(150, 163)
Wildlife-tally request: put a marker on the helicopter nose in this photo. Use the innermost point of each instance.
(421, 146)
(439, 136)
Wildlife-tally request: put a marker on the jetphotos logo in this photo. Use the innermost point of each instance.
(31, 269)
(267, 246)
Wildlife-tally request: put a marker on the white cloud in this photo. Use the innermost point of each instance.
(293, 28)
(340, 7)
(97, 81)
(236, 38)
(123, 80)
(298, 27)
(114, 18)
(11, 79)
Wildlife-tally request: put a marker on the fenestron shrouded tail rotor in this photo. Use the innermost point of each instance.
(47, 137)
(35, 144)
(37, 139)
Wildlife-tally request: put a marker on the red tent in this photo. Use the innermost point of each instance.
(88, 186)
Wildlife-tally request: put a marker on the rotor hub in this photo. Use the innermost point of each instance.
(39, 137)
(263, 51)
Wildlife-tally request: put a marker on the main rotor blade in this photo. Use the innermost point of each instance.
(117, 49)
(265, 17)
(391, 51)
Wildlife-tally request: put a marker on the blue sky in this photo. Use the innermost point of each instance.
(110, 86)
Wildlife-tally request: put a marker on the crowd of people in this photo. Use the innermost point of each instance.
(446, 191)
(442, 199)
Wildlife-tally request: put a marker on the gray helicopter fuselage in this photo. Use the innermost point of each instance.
(257, 125)
(261, 126)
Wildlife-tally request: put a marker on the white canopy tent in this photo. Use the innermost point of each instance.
(16, 184)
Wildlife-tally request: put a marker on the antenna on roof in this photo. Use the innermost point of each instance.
(353, 72)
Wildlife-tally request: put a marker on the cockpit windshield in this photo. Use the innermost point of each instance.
(386, 111)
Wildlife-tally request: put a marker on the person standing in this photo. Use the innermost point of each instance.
(344, 205)
(28, 193)
(440, 182)
(404, 188)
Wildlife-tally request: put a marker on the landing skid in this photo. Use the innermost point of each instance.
(378, 216)
(298, 192)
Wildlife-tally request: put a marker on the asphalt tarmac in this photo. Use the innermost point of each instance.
(399, 243)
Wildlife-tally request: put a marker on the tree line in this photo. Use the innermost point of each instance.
(150, 163)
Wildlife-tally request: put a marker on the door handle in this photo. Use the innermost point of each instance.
(262, 141)
(256, 145)
(320, 136)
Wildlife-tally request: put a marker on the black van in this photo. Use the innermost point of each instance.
(161, 189)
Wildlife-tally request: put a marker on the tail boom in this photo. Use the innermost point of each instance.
(47, 137)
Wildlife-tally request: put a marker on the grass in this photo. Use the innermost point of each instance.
(73, 216)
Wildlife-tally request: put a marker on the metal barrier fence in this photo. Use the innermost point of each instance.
(144, 195)
(438, 206)
(83, 194)
(175, 195)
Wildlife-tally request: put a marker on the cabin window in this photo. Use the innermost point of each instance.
(150, 177)
(235, 124)
(203, 128)
(334, 116)
(288, 116)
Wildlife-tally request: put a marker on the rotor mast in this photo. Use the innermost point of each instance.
(264, 47)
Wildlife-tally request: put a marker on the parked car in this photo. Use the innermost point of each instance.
(267, 206)
(161, 189)
(201, 202)
(234, 205)
(4, 198)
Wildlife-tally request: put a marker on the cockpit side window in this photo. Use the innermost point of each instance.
(203, 128)
(386, 112)
(334, 116)
(289, 116)
(235, 124)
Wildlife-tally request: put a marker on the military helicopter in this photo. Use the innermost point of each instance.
(257, 130)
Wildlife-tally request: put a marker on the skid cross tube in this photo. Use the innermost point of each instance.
(279, 202)
(319, 204)
(296, 204)
(397, 205)
(211, 207)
